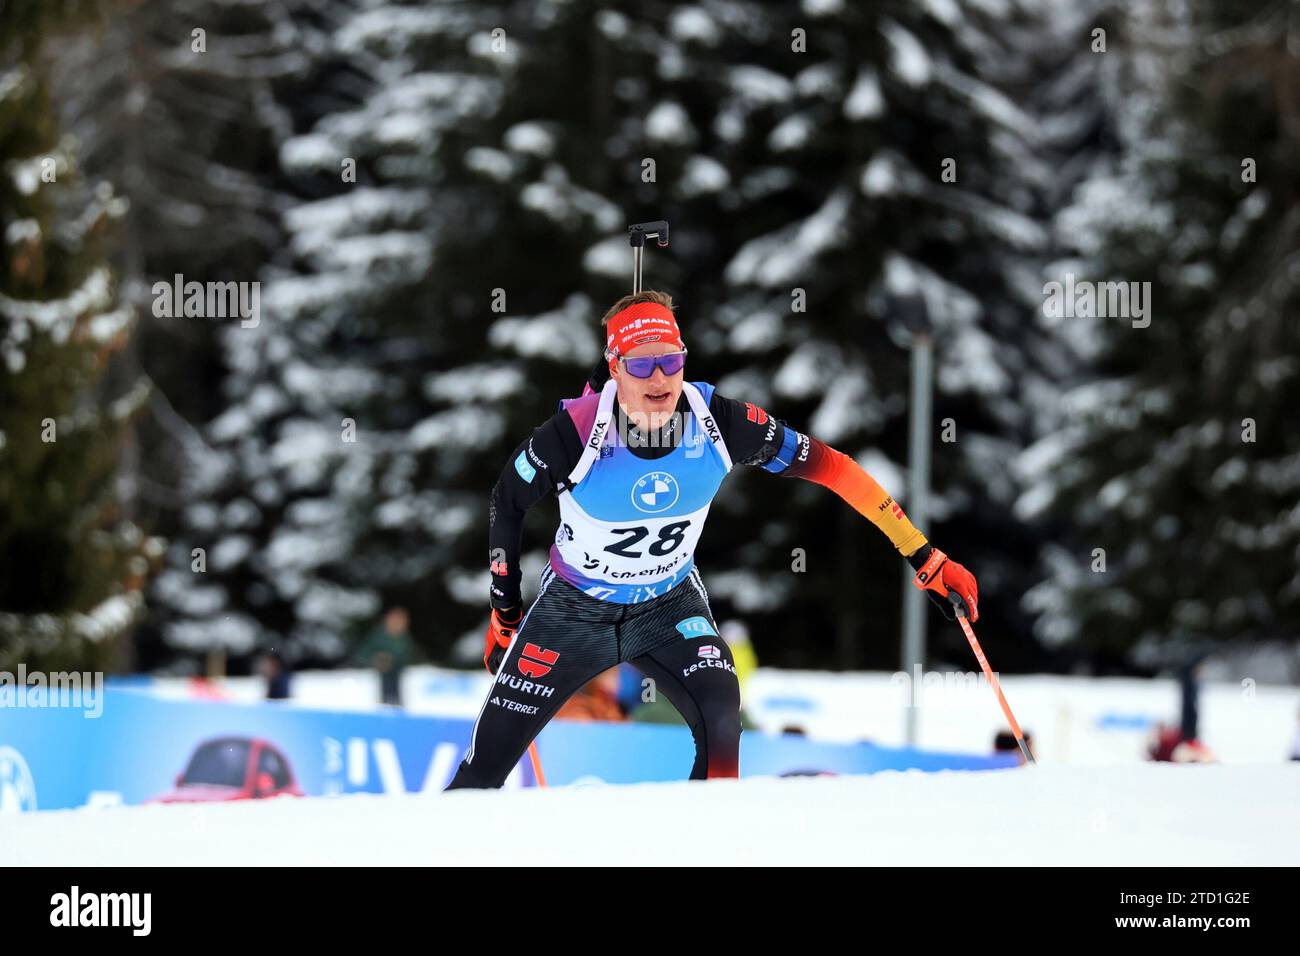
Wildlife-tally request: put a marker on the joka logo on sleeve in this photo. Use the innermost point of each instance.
(537, 661)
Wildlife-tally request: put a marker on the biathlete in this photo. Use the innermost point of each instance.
(635, 464)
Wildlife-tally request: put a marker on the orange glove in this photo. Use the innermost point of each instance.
(948, 583)
(500, 632)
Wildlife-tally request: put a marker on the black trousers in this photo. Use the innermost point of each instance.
(567, 638)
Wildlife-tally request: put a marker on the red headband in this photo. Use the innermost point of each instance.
(639, 324)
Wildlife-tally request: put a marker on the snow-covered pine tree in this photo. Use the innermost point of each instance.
(175, 102)
(72, 565)
(1178, 460)
(327, 485)
(881, 159)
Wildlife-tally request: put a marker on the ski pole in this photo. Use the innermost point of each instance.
(992, 678)
(536, 761)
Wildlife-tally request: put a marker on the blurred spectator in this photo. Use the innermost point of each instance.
(206, 688)
(1181, 743)
(277, 674)
(1168, 745)
(598, 700)
(1189, 683)
(388, 648)
(736, 634)
(1004, 742)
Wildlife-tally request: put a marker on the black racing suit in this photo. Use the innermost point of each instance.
(568, 637)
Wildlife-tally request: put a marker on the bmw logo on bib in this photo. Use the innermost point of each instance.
(655, 492)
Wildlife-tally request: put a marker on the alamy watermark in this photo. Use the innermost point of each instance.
(80, 690)
(133, 911)
(208, 300)
(1085, 299)
(667, 431)
(934, 685)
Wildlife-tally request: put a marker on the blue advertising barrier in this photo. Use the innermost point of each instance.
(136, 749)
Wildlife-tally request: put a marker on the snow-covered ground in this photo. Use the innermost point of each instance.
(1046, 815)
(1073, 720)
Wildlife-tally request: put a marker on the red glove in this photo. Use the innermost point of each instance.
(947, 582)
(500, 632)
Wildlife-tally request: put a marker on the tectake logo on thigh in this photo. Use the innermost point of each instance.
(707, 663)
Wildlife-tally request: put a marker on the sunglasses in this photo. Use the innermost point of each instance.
(643, 366)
